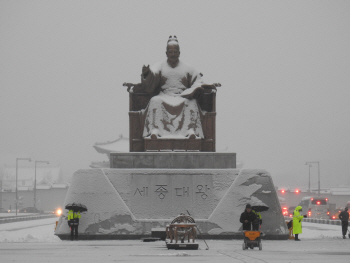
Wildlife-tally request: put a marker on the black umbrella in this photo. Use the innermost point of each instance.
(260, 208)
(77, 207)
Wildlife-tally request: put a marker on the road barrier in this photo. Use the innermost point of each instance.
(322, 221)
(319, 221)
(24, 218)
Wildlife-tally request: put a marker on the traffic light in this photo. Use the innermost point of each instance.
(297, 191)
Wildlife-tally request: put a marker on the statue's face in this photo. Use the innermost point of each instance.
(173, 53)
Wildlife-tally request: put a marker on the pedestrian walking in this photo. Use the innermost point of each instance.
(344, 217)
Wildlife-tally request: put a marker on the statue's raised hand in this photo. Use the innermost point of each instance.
(145, 70)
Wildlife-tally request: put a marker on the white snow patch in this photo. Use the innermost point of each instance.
(117, 227)
(234, 202)
(35, 231)
(257, 202)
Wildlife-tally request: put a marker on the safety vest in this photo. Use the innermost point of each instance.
(258, 215)
(73, 215)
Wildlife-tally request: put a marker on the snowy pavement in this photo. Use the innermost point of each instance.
(5, 215)
(34, 241)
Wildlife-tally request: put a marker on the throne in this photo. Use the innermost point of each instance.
(139, 99)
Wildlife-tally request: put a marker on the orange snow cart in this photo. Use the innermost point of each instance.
(252, 239)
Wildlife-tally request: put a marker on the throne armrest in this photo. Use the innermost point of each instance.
(139, 101)
(134, 88)
(207, 100)
(138, 96)
(206, 96)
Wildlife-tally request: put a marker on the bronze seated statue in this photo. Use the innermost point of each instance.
(172, 109)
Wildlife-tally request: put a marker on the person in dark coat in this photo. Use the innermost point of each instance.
(344, 217)
(248, 218)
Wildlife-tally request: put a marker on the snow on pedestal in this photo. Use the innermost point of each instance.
(128, 203)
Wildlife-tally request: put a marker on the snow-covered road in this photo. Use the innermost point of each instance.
(34, 241)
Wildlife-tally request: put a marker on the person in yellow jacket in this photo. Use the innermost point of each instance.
(297, 218)
(73, 223)
(258, 223)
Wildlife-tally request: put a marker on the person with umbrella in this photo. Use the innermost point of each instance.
(73, 218)
(73, 223)
(256, 210)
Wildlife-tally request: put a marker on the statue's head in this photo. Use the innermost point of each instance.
(173, 51)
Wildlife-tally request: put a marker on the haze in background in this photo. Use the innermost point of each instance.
(284, 67)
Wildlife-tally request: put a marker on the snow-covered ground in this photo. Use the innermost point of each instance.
(34, 241)
(2, 215)
(29, 231)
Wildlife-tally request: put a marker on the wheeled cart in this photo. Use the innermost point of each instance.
(252, 239)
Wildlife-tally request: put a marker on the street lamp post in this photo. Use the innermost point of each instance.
(319, 177)
(35, 180)
(309, 176)
(19, 159)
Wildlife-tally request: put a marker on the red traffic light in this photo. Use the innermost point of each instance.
(283, 191)
(297, 191)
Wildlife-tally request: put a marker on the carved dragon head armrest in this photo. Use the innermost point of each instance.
(134, 88)
(211, 87)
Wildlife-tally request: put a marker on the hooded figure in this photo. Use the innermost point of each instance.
(297, 218)
(248, 218)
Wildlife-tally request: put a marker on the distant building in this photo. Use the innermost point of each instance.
(50, 187)
(45, 176)
(119, 145)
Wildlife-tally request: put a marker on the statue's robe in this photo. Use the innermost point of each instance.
(168, 114)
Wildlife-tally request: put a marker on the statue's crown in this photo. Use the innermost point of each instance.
(173, 39)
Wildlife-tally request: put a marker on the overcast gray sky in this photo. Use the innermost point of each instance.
(284, 67)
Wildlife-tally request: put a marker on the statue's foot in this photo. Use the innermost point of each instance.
(155, 134)
(192, 137)
(191, 134)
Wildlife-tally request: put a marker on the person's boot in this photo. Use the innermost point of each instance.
(344, 237)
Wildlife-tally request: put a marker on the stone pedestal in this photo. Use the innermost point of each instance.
(125, 203)
(173, 160)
